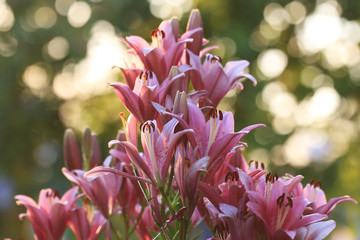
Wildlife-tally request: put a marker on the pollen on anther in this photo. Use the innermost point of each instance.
(221, 116)
(280, 200)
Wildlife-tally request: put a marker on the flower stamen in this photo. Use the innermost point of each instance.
(156, 35)
(215, 119)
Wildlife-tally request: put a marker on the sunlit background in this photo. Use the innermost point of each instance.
(57, 56)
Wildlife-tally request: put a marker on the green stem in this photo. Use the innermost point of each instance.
(183, 229)
(115, 231)
(171, 208)
(126, 226)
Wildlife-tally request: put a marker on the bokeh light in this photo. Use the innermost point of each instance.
(6, 17)
(272, 62)
(36, 78)
(57, 48)
(164, 9)
(79, 13)
(45, 17)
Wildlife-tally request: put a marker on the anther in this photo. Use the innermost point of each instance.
(276, 176)
(153, 126)
(213, 113)
(267, 177)
(315, 183)
(280, 200)
(227, 176)
(156, 33)
(221, 116)
(215, 59)
(262, 166)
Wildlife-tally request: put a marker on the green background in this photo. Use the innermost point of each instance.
(315, 113)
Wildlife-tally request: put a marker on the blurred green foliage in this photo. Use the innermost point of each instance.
(33, 117)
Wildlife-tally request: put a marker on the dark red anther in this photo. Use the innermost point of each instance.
(267, 178)
(227, 176)
(213, 113)
(215, 59)
(262, 166)
(153, 126)
(280, 200)
(236, 176)
(221, 116)
(312, 182)
(156, 33)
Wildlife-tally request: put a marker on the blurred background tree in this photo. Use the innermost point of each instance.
(56, 58)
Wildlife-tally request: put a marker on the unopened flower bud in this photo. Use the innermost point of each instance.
(72, 154)
(87, 148)
(95, 159)
(180, 105)
(193, 23)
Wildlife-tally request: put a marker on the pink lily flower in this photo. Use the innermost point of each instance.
(216, 79)
(146, 90)
(214, 138)
(158, 151)
(102, 190)
(165, 50)
(272, 201)
(87, 225)
(49, 217)
(317, 202)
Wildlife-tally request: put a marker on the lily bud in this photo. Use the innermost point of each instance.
(193, 23)
(176, 85)
(72, 153)
(95, 159)
(87, 148)
(180, 105)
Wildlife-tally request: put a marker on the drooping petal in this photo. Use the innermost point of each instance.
(134, 156)
(102, 170)
(315, 231)
(129, 99)
(212, 193)
(329, 207)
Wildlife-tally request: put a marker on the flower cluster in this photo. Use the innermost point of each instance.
(177, 160)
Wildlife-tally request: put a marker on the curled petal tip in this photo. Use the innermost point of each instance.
(113, 142)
